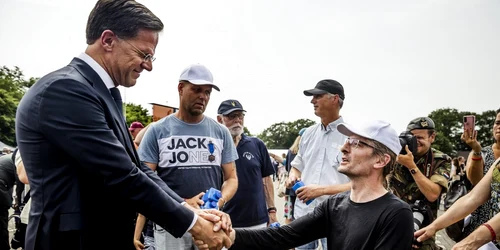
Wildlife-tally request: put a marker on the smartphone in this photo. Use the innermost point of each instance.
(470, 122)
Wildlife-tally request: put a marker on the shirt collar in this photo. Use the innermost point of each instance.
(332, 126)
(98, 69)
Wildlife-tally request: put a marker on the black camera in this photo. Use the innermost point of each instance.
(422, 216)
(406, 138)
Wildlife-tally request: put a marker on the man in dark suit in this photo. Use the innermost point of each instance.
(87, 182)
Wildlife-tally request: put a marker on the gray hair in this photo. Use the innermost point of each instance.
(341, 101)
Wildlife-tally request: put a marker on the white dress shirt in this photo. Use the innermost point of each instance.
(318, 159)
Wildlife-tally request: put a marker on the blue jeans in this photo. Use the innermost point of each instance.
(313, 245)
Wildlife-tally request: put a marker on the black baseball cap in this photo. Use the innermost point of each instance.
(228, 106)
(327, 86)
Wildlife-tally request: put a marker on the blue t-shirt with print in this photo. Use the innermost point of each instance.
(182, 152)
(248, 206)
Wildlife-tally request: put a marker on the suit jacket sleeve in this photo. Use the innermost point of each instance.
(149, 152)
(74, 118)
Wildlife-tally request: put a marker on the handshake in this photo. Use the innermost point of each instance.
(212, 230)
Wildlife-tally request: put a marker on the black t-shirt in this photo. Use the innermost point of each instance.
(384, 223)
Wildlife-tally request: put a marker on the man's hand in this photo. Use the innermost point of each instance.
(272, 218)
(470, 138)
(291, 181)
(196, 201)
(221, 203)
(309, 192)
(407, 159)
(220, 219)
(138, 245)
(203, 231)
(202, 246)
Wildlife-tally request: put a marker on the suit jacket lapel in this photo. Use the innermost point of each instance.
(95, 80)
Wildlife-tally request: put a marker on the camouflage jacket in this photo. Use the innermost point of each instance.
(434, 166)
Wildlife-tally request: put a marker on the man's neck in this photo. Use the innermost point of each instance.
(329, 119)
(236, 140)
(365, 190)
(188, 118)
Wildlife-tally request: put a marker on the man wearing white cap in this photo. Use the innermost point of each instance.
(191, 152)
(366, 217)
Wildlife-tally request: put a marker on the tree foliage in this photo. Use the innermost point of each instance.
(136, 113)
(13, 85)
(246, 131)
(282, 135)
(449, 128)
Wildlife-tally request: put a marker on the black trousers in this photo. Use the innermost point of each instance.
(4, 228)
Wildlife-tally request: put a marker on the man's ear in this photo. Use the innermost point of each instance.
(432, 137)
(180, 87)
(108, 40)
(219, 118)
(382, 161)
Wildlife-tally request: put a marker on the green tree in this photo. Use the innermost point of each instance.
(449, 129)
(246, 131)
(484, 126)
(136, 113)
(13, 85)
(281, 135)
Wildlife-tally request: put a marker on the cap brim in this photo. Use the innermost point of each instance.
(314, 92)
(203, 82)
(232, 110)
(349, 130)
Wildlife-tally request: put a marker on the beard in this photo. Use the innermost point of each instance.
(236, 130)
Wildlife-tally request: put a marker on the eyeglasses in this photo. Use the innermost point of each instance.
(355, 143)
(145, 57)
(234, 116)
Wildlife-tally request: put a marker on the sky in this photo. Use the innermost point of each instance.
(396, 59)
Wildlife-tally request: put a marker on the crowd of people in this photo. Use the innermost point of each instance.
(97, 183)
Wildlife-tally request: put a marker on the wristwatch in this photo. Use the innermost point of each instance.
(477, 154)
(413, 170)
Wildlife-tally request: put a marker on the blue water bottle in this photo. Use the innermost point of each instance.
(298, 185)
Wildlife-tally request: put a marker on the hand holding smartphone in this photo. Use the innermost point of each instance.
(470, 123)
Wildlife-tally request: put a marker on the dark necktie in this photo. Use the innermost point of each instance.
(115, 93)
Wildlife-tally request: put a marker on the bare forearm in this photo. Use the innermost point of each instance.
(21, 173)
(474, 169)
(482, 234)
(229, 188)
(335, 189)
(295, 172)
(460, 209)
(429, 189)
(139, 226)
(268, 191)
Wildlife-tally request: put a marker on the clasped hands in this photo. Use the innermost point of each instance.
(212, 230)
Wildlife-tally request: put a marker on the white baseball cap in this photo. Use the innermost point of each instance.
(380, 131)
(198, 74)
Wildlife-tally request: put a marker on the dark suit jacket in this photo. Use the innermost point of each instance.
(87, 182)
